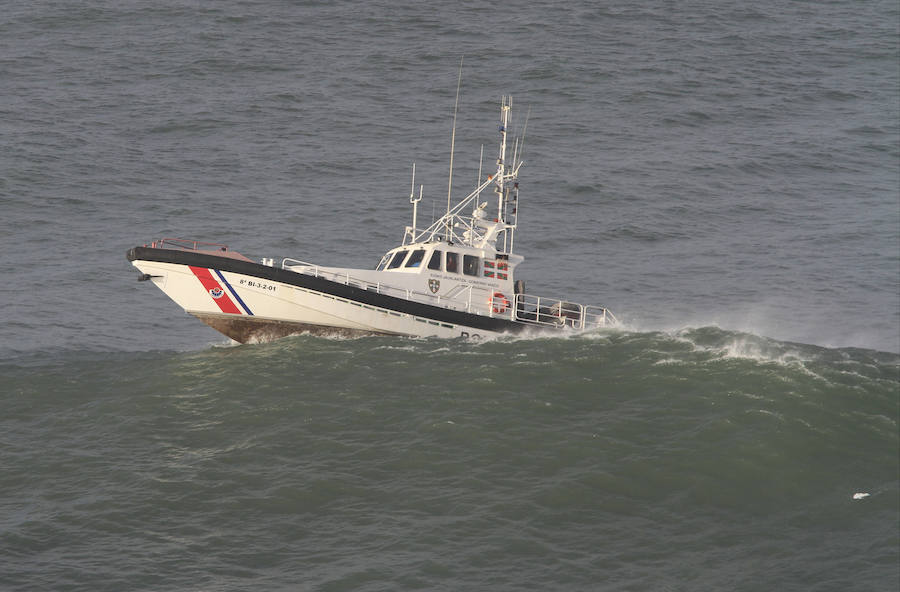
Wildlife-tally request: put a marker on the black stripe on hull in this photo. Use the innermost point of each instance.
(318, 284)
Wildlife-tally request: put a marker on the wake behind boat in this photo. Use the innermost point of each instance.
(454, 278)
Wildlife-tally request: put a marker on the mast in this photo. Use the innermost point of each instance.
(505, 105)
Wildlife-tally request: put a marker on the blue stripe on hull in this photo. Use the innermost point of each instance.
(233, 291)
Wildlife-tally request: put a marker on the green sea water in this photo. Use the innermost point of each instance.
(702, 459)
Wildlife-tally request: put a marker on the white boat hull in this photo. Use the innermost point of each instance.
(255, 306)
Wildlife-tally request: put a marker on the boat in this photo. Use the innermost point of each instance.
(453, 278)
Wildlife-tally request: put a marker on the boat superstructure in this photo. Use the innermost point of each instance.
(453, 278)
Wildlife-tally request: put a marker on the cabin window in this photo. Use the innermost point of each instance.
(452, 263)
(415, 259)
(435, 262)
(470, 265)
(399, 256)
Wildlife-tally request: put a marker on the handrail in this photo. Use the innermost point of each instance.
(551, 312)
(526, 308)
(298, 263)
(184, 244)
(558, 312)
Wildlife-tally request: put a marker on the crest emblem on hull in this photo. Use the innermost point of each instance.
(216, 292)
(434, 286)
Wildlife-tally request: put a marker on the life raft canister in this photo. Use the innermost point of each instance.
(499, 303)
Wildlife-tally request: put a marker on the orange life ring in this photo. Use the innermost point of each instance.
(499, 303)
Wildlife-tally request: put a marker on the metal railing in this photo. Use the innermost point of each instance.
(525, 308)
(185, 244)
(456, 302)
(557, 312)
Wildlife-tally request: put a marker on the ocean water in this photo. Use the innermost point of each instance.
(702, 460)
(725, 177)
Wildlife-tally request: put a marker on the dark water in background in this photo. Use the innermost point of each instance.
(724, 176)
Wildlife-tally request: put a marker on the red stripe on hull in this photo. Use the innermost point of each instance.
(212, 286)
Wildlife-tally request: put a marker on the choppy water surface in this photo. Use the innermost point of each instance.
(725, 177)
(702, 459)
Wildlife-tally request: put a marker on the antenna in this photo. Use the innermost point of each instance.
(453, 144)
(413, 200)
(480, 163)
(520, 150)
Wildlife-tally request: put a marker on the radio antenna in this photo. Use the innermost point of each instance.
(453, 145)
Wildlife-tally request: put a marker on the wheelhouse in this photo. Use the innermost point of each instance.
(446, 258)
